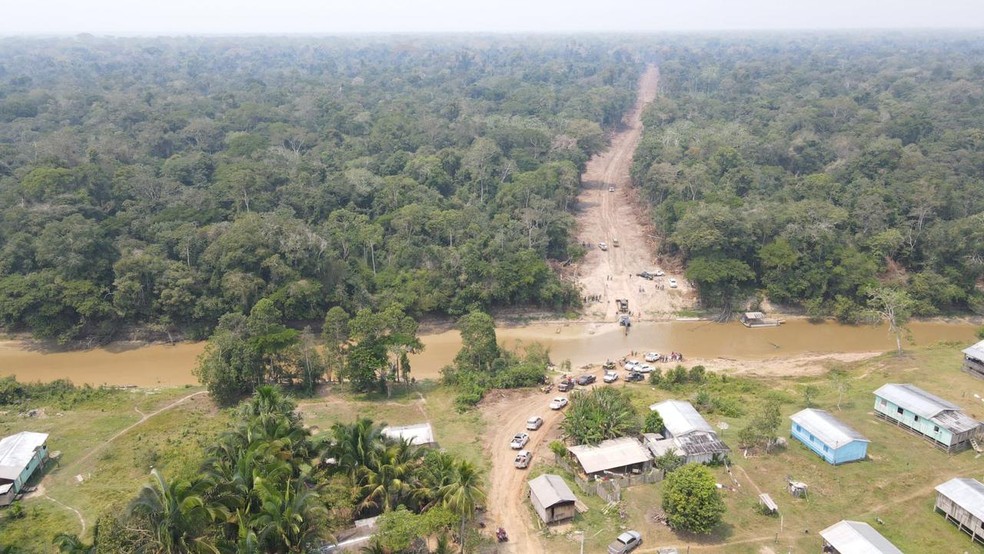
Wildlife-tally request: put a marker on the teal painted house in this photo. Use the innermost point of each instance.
(942, 423)
(20, 456)
(828, 437)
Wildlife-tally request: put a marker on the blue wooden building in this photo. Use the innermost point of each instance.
(20, 456)
(830, 438)
(943, 423)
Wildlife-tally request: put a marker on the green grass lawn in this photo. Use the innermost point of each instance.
(172, 441)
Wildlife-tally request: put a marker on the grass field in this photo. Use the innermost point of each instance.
(173, 441)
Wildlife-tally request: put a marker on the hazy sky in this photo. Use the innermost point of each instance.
(143, 17)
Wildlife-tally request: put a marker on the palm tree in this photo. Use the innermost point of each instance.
(71, 544)
(463, 494)
(354, 446)
(268, 400)
(175, 515)
(289, 516)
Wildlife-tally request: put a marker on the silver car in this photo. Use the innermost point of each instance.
(626, 542)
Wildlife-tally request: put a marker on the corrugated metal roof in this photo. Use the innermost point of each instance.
(824, 426)
(966, 493)
(16, 452)
(551, 490)
(932, 407)
(419, 434)
(857, 537)
(914, 399)
(976, 351)
(680, 417)
(610, 454)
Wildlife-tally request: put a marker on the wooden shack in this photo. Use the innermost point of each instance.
(961, 500)
(974, 360)
(552, 499)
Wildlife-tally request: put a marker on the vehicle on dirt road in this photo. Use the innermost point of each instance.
(611, 189)
(644, 368)
(519, 440)
(673, 283)
(534, 423)
(646, 275)
(631, 365)
(565, 385)
(608, 365)
(634, 376)
(523, 459)
(658, 273)
(586, 379)
(615, 243)
(610, 377)
(558, 403)
(500, 535)
(603, 245)
(652, 356)
(623, 305)
(625, 543)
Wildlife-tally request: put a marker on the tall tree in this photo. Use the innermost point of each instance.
(691, 499)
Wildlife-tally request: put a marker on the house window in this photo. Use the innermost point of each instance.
(825, 449)
(899, 411)
(936, 428)
(916, 418)
(883, 402)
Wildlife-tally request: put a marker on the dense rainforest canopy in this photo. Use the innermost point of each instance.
(811, 168)
(163, 183)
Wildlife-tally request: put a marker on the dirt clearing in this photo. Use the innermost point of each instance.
(610, 212)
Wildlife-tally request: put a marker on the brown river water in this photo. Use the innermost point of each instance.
(581, 343)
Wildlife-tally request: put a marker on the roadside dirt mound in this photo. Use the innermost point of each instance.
(610, 211)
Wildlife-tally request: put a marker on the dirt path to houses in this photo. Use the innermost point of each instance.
(610, 211)
(505, 413)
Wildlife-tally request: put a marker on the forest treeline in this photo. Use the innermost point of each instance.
(163, 183)
(809, 169)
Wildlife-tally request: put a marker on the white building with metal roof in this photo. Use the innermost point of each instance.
(680, 418)
(621, 455)
(552, 499)
(974, 359)
(20, 456)
(828, 437)
(941, 422)
(855, 537)
(418, 434)
(961, 500)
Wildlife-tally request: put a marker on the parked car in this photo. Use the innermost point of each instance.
(659, 273)
(673, 283)
(611, 189)
(610, 377)
(586, 379)
(652, 356)
(633, 376)
(615, 242)
(603, 245)
(624, 543)
(534, 423)
(523, 459)
(558, 403)
(644, 368)
(519, 440)
(565, 385)
(646, 275)
(632, 364)
(609, 365)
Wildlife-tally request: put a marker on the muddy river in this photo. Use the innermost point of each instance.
(581, 343)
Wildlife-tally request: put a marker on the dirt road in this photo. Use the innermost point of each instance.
(606, 215)
(506, 413)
